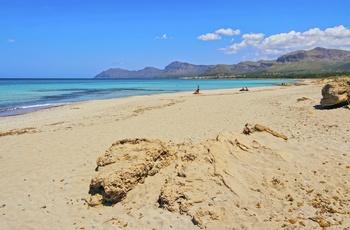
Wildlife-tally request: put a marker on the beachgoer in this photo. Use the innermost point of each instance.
(242, 89)
(246, 89)
(197, 91)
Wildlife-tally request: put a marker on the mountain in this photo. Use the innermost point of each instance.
(178, 69)
(148, 72)
(317, 54)
(318, 61)
(174, 69)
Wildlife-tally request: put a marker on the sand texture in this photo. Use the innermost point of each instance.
(269, 158)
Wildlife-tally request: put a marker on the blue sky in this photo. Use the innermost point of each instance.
(81, 38)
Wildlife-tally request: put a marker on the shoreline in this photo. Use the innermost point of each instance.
(20, 111)
(32, 109)
(48, 159)
(208, 92)
(32, 106)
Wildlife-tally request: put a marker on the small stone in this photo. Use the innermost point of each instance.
(323, 224)
(292, 221)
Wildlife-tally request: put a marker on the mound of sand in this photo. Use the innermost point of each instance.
(233, 180)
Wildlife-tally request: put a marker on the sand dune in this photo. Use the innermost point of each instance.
(179, 161)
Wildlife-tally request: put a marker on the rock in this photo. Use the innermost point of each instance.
(262, 128)
(95, 200)
(302, 99)
(181, 171)
(174, 199)
(126, 164)
(249, 128)
(323, 224)
(336, 92)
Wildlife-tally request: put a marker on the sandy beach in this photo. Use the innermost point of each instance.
(209, 174)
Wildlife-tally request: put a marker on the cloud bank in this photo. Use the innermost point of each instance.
(337, 37)
(216, 35)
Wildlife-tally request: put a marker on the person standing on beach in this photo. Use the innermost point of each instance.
(197, 89)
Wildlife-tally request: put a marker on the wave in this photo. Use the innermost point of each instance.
(27, 108)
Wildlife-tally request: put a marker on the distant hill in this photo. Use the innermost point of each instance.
(182, 69)
(318, 61)
(148, 72)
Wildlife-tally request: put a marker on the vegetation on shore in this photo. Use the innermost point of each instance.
(281, 75)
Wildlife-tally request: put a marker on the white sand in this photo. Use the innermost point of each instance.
(45, 172)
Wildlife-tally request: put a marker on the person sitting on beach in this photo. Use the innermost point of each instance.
(246, 89)
(242, 89)
(197, 90)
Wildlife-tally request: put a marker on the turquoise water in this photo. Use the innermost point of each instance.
(23, 95)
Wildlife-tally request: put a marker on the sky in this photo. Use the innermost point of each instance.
(81, 38)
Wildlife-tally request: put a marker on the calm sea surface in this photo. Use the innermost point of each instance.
(19, 96)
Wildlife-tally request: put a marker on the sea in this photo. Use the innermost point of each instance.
(18, 96)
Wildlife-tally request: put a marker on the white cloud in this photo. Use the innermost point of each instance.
(164, 36)
(338, 32)
(216, 35)
(337, 37)
(253, 39)
(10, 40)
(228, 32)
(209, 37)
(248, 40)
